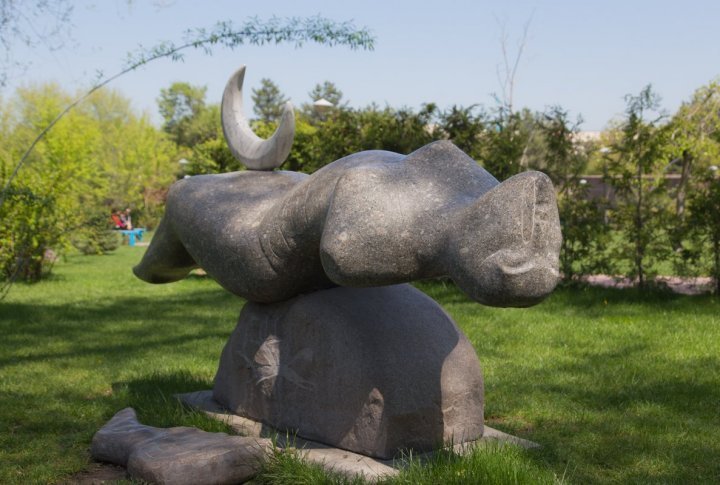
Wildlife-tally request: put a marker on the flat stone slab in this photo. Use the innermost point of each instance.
(332, 459)
(179, 455)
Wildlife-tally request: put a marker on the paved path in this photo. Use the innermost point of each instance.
(681, 285)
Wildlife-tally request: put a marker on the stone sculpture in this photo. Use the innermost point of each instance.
(286, 240)
(372, 218)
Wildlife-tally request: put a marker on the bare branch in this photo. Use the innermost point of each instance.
(507, 80)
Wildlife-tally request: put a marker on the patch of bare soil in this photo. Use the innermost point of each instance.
(98, 473)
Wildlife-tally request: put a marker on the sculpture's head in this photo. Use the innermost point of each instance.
(507, 246)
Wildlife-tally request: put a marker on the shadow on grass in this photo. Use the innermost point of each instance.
(629, 423)
(618, 408)
(153, 397)
(59, 362)
(123, 326)
(582, 300)
(70, 416)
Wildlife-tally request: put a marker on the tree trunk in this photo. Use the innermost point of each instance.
(687, 159)
(716, 250)
(639, 249)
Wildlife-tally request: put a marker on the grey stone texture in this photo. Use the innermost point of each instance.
(178, 455)
(370, 219)
(254, 152)
(331, 344)
(370, 370)
(333, 459)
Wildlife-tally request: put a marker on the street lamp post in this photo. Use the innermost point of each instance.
(322, 105)
(183, 166)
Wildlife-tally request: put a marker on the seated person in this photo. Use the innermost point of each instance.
(117, 220)
(126, 219)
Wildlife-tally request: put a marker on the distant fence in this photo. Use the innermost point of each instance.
(599, 190)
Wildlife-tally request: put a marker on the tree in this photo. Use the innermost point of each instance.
(690, 138)
(187, 119)
(464, 127)
(213, 156)
(327, 91)
(693, 145)
(27, 206)
(47, 204)
(635, 165)
(704, 223)
(99, 156)
(507, 142)
(397, 130)
(507, 73)
(140, 163)
(338, 136)
(564, 161)
(509, 135)
(304, 155)
(196, 128)
(347, 131)
(254, 32)
(269, 101)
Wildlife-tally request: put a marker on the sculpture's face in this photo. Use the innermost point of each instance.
(509, 278)
(509, 243)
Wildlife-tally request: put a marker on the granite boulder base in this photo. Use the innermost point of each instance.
(370, 370)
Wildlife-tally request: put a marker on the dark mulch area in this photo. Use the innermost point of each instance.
(98, 473)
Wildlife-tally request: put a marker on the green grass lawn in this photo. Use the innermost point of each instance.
(616, 386)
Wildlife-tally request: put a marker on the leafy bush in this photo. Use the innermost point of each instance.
(96, 236)
(27, 232)
(97, 155)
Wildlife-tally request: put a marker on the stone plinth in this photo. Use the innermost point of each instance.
(370, 370)
(334, 459)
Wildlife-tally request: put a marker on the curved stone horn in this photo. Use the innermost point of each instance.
(254, 152)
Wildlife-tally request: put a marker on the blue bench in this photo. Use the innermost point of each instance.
(132, 234)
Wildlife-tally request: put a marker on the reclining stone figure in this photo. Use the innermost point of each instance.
(373, 218)
(370, 219)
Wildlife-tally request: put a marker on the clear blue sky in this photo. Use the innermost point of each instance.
(582, 55)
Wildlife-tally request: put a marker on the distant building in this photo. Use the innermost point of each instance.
(585, 136)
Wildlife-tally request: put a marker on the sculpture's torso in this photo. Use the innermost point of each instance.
(370, 219)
